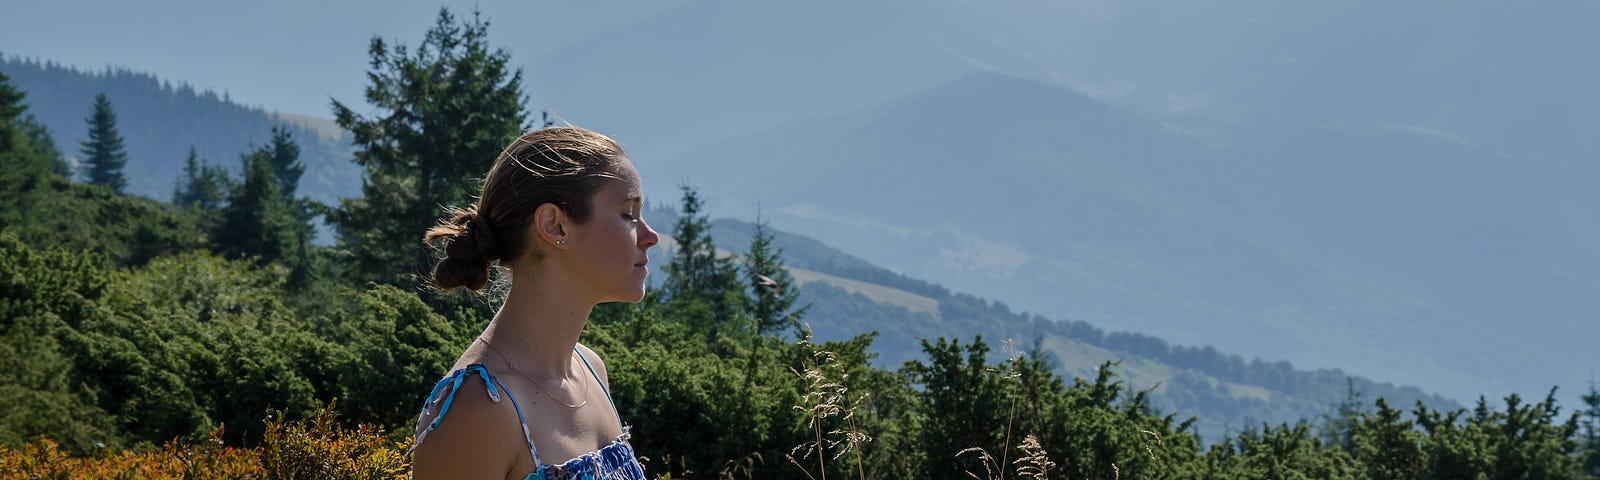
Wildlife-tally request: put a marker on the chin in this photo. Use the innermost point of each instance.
(629, 297)
(635, 298)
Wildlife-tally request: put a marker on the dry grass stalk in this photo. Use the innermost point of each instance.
(989, 466)
(995, 470)
(1034, 464)
(1013, 361)
(827, 396)
(744, 468)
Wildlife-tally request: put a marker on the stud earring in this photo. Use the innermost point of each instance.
(561, 241)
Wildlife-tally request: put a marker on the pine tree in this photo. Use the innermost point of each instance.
(702, 289)
(202, 186)
(11, 109)
(286, 165)
(445, 112)
(256, 222)
(23, 139)
(1339, 427)
(44, 145)
(103, 153)
(284, 155)
(773, 289)
(1591, 432)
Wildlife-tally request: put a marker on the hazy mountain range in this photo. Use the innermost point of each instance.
(1402, 190)
(1399, 190)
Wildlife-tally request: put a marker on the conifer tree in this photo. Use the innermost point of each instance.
(44, 145)
(11, 109)
(286, 165)
(284, 155)
(1591, 432)
(202, 186)
(26, 148)
(445, 110)
(773, 289)
(103, 153)
(701, 289)
(256, 222)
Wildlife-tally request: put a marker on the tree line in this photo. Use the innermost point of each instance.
(128, 322)
(161, 121)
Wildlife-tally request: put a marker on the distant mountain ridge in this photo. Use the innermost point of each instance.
(1225, 392)
(1019, 189)
(160, 121)
(1389, 188)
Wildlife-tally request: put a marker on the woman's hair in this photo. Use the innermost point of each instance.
(563, 166)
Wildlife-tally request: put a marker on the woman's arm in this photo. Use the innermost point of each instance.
(477, 439)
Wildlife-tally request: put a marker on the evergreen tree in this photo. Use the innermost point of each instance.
(103, 153)
(1591, 432)
(202, 186)
(256, 222)
(773, 289)
(702, 289)
(24, 138)
(11, 109)
(286, 165)
(964, 402)
(445, 112)
(1387, 445)
(44, 145)
(284, 155)
(1338, 427)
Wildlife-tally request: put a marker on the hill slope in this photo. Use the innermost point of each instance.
(1399, 199)
(848, 295)
(160, 121)
(1076, 209)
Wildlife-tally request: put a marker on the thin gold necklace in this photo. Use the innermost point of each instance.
(531, 379)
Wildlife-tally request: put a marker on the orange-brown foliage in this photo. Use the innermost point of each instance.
(313, 448)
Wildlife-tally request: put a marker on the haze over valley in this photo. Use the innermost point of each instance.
(1400, 191)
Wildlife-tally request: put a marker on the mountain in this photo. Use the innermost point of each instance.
(1225, 393)
(1388, 188)
(160, 121)
(1016, 189)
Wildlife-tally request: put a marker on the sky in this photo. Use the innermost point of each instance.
(290, 56)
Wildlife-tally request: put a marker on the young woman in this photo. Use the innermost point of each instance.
(560, 210)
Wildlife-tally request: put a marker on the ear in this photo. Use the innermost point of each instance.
(549, 226)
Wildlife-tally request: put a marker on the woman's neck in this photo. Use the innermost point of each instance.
(541, 320)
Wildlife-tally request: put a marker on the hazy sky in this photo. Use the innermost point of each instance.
(287, 55)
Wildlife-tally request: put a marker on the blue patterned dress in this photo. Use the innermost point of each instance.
(615, 461)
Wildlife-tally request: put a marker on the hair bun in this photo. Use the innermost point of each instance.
(470, 247)
(474, 242)
(483, 235)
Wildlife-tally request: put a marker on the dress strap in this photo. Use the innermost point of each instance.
(492, 385)
(598, 381)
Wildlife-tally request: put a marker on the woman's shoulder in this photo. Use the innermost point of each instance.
(468, 416)
(595, 362)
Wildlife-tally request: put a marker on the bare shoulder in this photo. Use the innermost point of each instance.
(598, 364)
(478, 437)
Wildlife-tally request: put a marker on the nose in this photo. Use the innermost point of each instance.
(647, 236)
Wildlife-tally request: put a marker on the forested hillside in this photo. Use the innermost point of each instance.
(1225, 392)
(211, 326)
(162, 121)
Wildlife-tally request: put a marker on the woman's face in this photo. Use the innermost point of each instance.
(608, 251)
